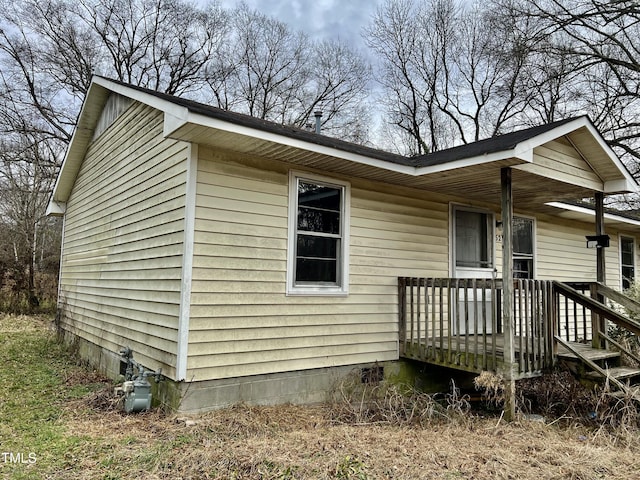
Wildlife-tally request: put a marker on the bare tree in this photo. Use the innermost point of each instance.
(451, 73)
(602, 39)
(272, 72)
(409, 85)
(26, 178)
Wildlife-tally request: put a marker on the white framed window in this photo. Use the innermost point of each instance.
(318, 238)
(523, 247)
(627, 261)
(472, 247)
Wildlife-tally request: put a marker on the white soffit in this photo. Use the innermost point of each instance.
(577, 212)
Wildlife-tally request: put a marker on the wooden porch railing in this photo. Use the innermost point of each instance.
(587, 316)
(458, 323)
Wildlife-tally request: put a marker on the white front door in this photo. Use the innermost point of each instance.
(473, 257)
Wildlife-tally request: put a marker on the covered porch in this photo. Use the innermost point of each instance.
(491, 313)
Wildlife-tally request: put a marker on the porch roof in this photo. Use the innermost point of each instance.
(471, 171)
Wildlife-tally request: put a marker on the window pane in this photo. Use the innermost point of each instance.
(627, 251)
(627, 276)
(316, 270)
(522, 268)
(319, 208)
(317, 259)
(472, 240)
(313, 220)
(627, 247)
(522, 235)
(318, 247)
(319, 196)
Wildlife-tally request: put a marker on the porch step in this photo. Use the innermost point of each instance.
(619, 373)
(586, 351)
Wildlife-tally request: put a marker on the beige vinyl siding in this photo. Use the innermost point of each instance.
(123, 243)
(242, 322)
(560, 160)
(562, 253)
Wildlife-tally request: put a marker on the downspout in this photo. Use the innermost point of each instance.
(187, 263)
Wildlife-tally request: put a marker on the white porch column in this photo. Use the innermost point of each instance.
(507, 294)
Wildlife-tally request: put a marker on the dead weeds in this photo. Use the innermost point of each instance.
(389, 435)
(305, 442)
(322, 442)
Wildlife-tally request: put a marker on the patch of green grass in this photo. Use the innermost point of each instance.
(33, 366)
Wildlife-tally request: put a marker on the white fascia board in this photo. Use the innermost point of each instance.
(592, 213)
(561, 131)
(71, 156)
(55, 208)
(174, 123)
(623, 185)
(155, 102)
(628, 184)
(472, 161)
(610, 153)
(226, 126)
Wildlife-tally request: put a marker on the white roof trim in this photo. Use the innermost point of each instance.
(172, 124)
(56, 208)
(621, 185)
(177, 116)
(591, 212)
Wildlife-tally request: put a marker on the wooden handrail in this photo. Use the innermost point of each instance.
(620, 347)
(597, 307)
(627, 302)
(591, 363)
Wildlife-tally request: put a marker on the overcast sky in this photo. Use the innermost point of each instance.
(320, 19)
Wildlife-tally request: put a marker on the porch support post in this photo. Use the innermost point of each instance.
(601, 275)
(598, 323)
(507, 294)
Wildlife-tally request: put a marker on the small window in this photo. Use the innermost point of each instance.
(318, 228)
(522, 247)
(473, 248)
(627, 261)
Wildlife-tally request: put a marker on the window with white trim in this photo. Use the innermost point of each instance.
(318, 235)
(522, 247)
(627, 261)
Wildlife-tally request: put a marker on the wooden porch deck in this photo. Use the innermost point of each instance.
(477, 353)
(486, 353)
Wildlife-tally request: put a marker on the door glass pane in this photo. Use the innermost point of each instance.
(472, 240)
(522, 235)
(522, 268)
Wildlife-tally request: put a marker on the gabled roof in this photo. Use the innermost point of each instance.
(499, 143)
(451, 171)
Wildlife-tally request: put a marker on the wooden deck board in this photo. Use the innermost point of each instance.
(472, 353)
(587, 351)
(468, 353)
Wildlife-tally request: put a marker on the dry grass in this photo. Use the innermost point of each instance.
(378, 434)
(305, 442)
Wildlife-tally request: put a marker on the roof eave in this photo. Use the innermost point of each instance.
(182, 128)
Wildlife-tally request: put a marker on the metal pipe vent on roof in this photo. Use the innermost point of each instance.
(318, 115)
